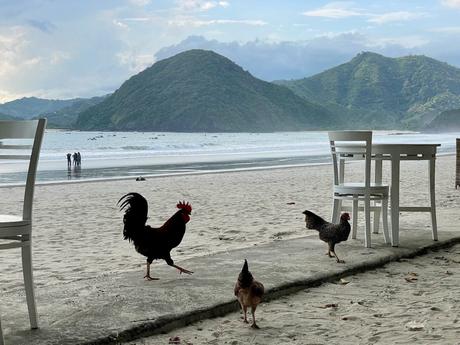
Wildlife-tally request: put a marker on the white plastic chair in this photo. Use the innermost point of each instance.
(357, 145)
(16, 231)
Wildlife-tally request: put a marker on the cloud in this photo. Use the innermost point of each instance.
(334, 10)
(405, 42)
(339, 10)
(447, 30)
(451, 3)
(59, 56)
(12, 45)
(120, 24)
(42, 25)
(199, 23)
(200, 5)
(395, 17)
(135, 62)
(298, 59)
(140, 2)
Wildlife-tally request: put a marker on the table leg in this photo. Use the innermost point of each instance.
(395, 171)
(431, 172)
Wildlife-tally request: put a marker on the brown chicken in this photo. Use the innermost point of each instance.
(154, 243)
(249, 293)
(329, 232)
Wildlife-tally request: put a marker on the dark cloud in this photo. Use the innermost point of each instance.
(293, 60)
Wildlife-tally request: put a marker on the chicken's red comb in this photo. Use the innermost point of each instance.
(184, 206)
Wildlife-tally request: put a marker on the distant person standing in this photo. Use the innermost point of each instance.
(75, 158)
(79, 158)
(69, 160)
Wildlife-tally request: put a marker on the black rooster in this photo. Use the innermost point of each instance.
(154, 243)
(329, 232)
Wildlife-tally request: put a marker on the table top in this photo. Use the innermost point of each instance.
(405, 149)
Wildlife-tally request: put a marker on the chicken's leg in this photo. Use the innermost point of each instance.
(253, 312)
(182, 270)
(245, 310)
(337, 259)
(147, 273)
(332, 250)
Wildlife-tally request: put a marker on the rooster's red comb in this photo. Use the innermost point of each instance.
(185, 206)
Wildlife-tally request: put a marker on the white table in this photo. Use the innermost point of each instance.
(395, 153)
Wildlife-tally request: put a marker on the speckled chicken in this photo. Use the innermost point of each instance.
(249, 293)
(329, 232)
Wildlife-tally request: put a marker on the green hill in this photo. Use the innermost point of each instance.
(29, 107)
(66, 117)
(447, 121)
(381, 92)
(199, 90)
(7, 117)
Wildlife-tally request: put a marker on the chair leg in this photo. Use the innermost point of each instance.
(433, 200)
(386, 233)
(376, 218)
(354, 228)
(367, 213)
(29, 284)
(336, 208)
(1, 333)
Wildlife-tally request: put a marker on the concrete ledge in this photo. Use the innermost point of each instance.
(113, 309)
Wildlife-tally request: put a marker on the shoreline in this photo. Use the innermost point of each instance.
(181, 173)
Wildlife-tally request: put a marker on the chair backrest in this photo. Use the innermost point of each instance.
(351, 145)
(15, 138)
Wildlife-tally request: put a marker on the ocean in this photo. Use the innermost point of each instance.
(107, 155)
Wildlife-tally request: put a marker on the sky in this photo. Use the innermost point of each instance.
(62, 49)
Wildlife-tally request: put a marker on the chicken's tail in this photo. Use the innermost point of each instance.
(136, 209)
(313, 221)
(245, 278)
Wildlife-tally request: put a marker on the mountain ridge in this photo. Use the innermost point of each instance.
(405, 92)
(200, 90)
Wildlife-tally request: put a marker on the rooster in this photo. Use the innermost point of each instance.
(154, 243)
(249, 293)
(329, 232)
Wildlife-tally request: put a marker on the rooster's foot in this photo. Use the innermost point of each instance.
(254, 325)
(183, 270)
(340, 261)
(149, 278)
(245, 321)
(328, 254)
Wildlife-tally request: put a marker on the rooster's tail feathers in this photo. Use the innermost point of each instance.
(312, 220)
(136, 210)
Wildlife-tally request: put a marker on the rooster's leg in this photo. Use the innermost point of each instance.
(332, 250)
(182, 270)
(337, 259)
(147, 273)
(253, 312)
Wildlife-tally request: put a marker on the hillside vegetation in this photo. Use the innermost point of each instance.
(381, 92)
(200, 90)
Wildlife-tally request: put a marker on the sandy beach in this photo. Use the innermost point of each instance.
(78, 228)
(413, 301)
